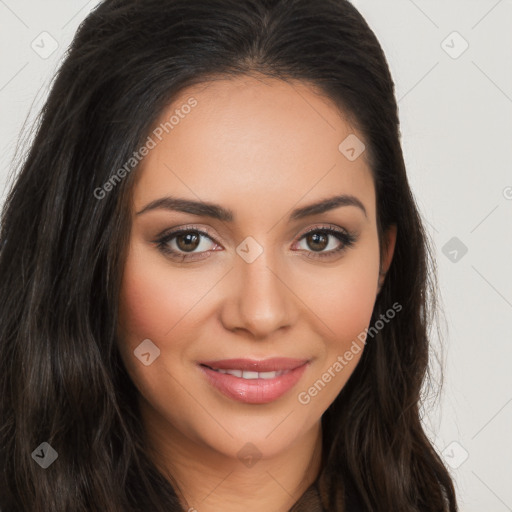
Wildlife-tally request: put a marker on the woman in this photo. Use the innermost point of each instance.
(214, 278)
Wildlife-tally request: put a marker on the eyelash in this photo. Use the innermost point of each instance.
(347, 239)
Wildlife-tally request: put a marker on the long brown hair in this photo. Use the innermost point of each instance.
(63, 246)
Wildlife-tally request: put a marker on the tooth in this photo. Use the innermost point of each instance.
(250, 375)
(268, 375)
(236, 373)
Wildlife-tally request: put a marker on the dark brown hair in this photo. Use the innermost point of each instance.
(63, 249)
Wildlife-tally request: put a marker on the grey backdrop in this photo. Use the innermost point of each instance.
(452, 65)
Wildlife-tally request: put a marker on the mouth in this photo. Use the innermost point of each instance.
(254, 381)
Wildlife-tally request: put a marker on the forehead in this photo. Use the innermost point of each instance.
(252, 139)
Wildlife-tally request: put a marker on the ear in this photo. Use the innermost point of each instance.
(387, 251)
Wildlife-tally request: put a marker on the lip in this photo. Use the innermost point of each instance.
(254, 391)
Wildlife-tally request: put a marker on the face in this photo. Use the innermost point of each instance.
(283, 290)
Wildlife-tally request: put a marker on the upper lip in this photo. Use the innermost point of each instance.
(263, 365)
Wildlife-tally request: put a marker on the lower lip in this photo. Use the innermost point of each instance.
(253, 391)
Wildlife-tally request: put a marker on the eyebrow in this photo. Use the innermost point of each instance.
(216, 211)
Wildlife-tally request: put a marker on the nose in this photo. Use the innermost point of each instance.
(260, 301)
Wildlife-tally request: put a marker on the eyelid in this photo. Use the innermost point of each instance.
(206, 230)
(186, 228)
(325, 227)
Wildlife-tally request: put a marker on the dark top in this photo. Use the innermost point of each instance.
(310, 501)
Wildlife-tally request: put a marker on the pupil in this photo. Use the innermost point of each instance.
(318, 238)
(189, 237)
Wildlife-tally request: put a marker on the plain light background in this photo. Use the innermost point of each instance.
(451, 61)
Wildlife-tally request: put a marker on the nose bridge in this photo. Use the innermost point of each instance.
(262, 301)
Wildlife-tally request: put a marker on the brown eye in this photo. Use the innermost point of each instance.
(188, 242)
(185, 244)
(323, 242)
(318, 240)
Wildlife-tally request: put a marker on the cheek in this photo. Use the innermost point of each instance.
(344, 298)
(351, 306)
(153, 300)
(343, 304)
(145, 304)
(154, 303)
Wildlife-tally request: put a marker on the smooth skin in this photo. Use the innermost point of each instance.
(260, 147)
